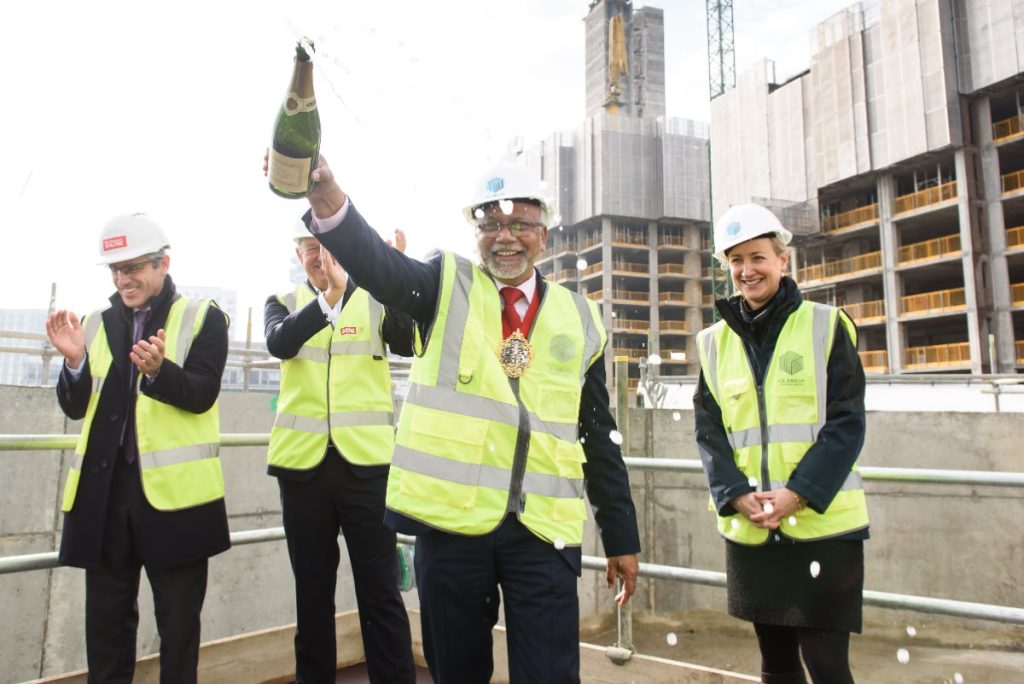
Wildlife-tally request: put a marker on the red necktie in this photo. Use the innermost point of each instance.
(510, 321)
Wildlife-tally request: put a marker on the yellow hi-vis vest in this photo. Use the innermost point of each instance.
(454, 466)
(771, 428)
(177, 448)
(338, 386)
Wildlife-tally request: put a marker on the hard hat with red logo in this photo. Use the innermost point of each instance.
(744, 222)
(509, 181)
(129, 236)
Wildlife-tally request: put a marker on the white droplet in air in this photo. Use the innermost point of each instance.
(654, 359)
(543, 185)
(676, 416)
(615, 436)
(752, 482)
(561, 228)
(815, 568)
(671, 639)
(911, 631)
(505, 206)
(613, 314)
(559, 543)
(768, 508)
(903, 656)
(581, 264)
(958, 678)
(792, 521)
(478, 213)
(583, 440)
(735, 524)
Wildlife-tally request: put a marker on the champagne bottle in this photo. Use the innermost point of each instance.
(296, 144)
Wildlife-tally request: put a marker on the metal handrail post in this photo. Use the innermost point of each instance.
(623, 649)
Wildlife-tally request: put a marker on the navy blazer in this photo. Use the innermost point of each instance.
(413, 286)
(167, 538)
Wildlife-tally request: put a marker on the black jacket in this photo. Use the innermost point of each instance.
(827, 463)
(413, 286)
(287, 332)
(167, 538)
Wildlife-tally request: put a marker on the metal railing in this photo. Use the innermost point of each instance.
(841, 267)
(1015, 237)
(875, 360)
(1013, 181)
(1008, 128)
(866, 312)
(921, 604)
(937, 355)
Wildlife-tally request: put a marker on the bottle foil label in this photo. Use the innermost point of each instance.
(293, 104)
(288, 173)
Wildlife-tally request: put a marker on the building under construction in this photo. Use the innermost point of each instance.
(632, 189)
(898, 157)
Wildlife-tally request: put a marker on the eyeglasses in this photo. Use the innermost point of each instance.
(515, 227)
(131, 269)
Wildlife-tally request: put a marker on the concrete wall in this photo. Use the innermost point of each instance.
(944, 541)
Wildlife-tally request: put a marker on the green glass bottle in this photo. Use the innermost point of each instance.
(296, 144)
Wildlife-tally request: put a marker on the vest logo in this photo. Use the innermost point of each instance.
(116, 242)
(495, 185)
(562, 348)
(791, 363)
(348, 330)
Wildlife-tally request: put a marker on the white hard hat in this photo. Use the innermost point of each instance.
(509, 181)
(128, 236)
(744, 222)
(299, 230)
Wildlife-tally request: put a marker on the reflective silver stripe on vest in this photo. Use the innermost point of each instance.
(707, 340)
(97, 384)
(591, 335)
(92, 325)
(820, 330)
(301, 423)
(352, 348)
(477, 474)
(791, 432)
(76, 464)
(290, 302)
(484, 408)
(308, 352)
(361, 418)
(376, 320)
(185, 333)
(158, 459)
(455, 323)
(853, 482)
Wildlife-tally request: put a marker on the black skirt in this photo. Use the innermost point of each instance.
(802, 584)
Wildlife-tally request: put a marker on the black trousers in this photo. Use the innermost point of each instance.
(458, 579)
(336, 497)
(111, 597)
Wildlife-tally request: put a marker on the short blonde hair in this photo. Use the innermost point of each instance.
(778, 245)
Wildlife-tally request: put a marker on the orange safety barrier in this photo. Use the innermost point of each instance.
(630, 324)
(866, 311)
(1015, 237)
(926, 198)
(930, 302)
(929, 249)
(672, 297)
(938, 355)
(865, 214)
(840, 267)
(671, 269)
(1017, 294)
(875, 361)
(1013, 181)
(1007, 128)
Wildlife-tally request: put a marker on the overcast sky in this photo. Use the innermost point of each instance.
(112, 107)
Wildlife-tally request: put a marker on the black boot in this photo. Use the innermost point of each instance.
(783, 677)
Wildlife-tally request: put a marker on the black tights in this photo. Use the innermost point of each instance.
(825, 652)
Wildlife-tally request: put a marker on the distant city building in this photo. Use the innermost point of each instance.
(22, 358)
(632, 189)
(898, 157)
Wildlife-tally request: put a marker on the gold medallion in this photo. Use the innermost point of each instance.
(515, 355)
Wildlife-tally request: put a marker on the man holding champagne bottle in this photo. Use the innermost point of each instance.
(506, 422)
